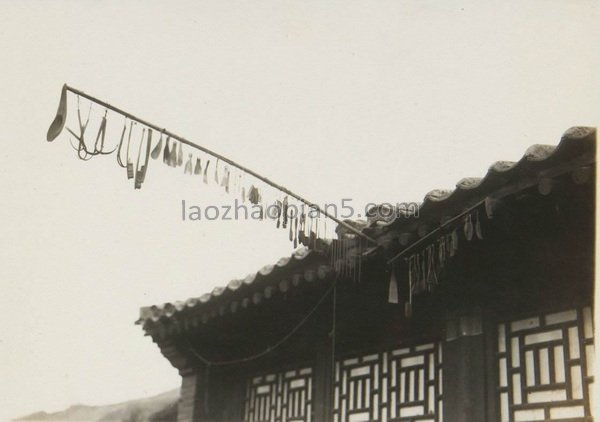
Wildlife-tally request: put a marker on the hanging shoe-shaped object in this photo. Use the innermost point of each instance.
(60, 119)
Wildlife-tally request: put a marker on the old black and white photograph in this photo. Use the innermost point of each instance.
(299, 211)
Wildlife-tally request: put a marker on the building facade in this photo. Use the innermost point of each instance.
(477, 308)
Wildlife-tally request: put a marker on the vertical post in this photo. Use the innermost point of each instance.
(191, 406)
(323, 398)
(324, 364)
(464, 378)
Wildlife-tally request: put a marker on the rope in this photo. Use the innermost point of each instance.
(269, 349)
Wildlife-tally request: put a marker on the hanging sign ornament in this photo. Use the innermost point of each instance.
(231, 176)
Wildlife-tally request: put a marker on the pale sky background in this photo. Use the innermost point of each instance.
(374, 101)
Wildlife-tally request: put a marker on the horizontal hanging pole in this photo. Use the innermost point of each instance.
(220, 157)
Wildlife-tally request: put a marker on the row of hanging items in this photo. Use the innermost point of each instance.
(136, 146)
(346, 256)
(424, 267)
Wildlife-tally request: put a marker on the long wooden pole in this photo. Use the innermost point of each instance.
(220, 157)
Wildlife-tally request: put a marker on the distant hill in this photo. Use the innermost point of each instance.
(161, 408)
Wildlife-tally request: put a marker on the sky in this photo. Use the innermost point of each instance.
(375, 101)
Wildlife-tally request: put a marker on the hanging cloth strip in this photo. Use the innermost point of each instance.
(180, 156)
(468, 227)
(393, 287)
(478, 231)
(166, 152)
(205, 175)
(285, 212)
(138, 170)
(432, 279)
(172, 160)
(188, 165)
(411, 286)
(147, 158)
(129, 161)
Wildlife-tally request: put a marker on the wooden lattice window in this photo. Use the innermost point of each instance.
(280, 397)
(403, 384)
(546, 367)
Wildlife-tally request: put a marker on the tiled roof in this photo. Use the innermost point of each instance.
(167, 310)
(576, 147)
(578, 144)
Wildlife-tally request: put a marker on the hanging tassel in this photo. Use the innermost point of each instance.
(332, 254)
(408, 305)
(342, 260)
(188, 165)
(253, 195)
(441, 244)
(238, 183)
(198, 167)
(166, 152)
(225, 179)
(285, 212)
(489, 207)
(173, 155)
(205, 175)
(147, 159)
(180, 156)
(351, 260)
(423, 266)
(468, 227)
(360, 249)
(478, 231)
(157, 149)
(432, 279)
(454, 242)
(217, 172)
(278, 212)
(295, 232)
(345, 257)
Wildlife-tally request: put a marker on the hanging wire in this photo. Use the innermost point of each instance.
(333, 339)
(269, 349)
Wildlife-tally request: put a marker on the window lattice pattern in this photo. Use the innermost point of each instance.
(399, 385)
(280, 397)
(546, 367)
